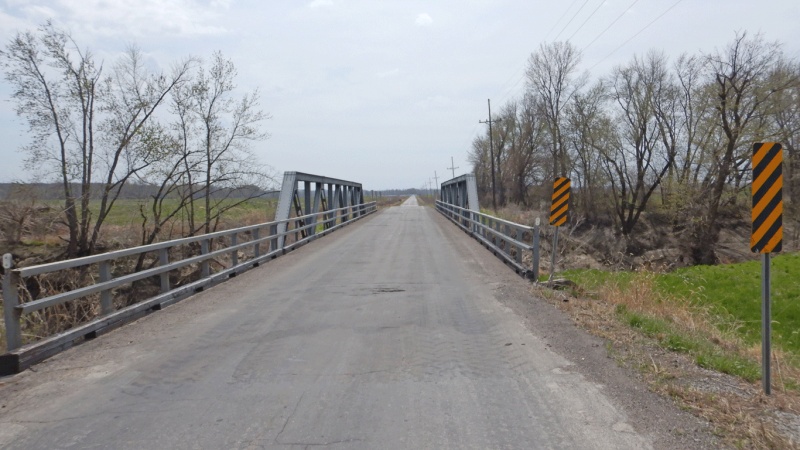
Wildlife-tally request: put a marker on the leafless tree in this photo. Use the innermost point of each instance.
(552, 80)
(742, 87)
(589, 131)
(87, 128)
(645, 99)
(227, 125)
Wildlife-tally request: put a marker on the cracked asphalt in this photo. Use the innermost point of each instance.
(388, 334)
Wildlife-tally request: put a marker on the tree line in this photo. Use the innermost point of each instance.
(656, 135)
(97, 128)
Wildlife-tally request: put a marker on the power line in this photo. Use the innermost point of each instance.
(559, 19)
(570, 20)
(602, 2)
(637, 34)
(610, 25)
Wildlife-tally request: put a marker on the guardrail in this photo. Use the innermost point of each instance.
(14, 310)
(508, 240)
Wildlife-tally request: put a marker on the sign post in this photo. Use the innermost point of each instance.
(558, 215)
(767, 234)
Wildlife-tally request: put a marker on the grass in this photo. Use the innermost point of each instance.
(636, 311)
(126, 211)
(733, 293)
(706, 354)
(712, 313)
(729, 294)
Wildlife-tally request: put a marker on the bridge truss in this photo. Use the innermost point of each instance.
(321, 195)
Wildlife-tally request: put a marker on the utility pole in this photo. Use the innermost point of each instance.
(436, 177)
(452, 167)
(491, 150)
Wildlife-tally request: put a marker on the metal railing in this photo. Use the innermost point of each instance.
(14, 310)
(508, 240)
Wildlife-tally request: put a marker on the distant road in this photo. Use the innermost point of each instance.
(385, 335)
(411, 201)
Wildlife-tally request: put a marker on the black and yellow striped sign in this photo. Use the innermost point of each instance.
(560, 207)
(767, 236)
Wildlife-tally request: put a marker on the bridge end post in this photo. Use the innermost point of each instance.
(11, 314)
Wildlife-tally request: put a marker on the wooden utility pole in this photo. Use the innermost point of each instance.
(491, 150)
(452, 167)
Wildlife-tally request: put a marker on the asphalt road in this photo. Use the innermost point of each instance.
(386, 334)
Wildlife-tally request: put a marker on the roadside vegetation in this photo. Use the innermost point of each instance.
(685, 349)
(710, 312)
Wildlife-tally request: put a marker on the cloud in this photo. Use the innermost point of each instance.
(224, 4)
(133, 19)
(320, 3)
(423, 20)
(433, 102)
(388, 73)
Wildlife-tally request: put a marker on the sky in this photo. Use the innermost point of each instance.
(383, 92)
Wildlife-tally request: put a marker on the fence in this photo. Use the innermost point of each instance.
(231, 239)
(508, 240)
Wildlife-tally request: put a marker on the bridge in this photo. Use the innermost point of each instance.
(397, 331)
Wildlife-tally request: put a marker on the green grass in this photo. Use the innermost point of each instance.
(126, 211)
(705, 353)
(731, 292)
(730, 364)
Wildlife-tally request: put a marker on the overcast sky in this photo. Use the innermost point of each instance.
(383, 92)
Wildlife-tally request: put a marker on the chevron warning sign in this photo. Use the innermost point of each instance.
(560, 207)
(767, 236)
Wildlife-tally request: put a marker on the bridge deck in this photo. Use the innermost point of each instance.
(387, 334)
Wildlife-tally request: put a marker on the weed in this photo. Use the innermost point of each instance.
(731, 364)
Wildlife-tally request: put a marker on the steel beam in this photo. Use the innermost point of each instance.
(340, 193)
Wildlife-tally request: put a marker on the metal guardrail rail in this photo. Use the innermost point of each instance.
(14, 310)
(506, 239)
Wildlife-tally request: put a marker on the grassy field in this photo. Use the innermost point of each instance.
(127, 212)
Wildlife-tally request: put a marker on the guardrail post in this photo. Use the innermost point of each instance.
(106, 306)
(204, 267)
(257, 246)
(506, 244)
(535, 262)
(273, 243)
(163, 260)
(10, 302)
(235, 252)
(519, 249)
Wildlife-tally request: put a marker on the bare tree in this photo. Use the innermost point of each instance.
(227, 126)
(479, 157)
(86, 128)
(645, 97)
(553, 81)
(742, 86)
(525, 158)
(206, 157)
(785, 120)
(589, 131)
